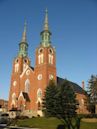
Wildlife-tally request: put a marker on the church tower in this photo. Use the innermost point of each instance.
(27, 83)
(20, 64)
(45, 63)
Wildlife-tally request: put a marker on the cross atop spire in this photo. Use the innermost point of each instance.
(24, 38)
(46, 27)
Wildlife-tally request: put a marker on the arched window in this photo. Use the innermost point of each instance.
(16, 67)
(27, 86)
(13, 99)
(50, 59)
(39, 98)
(39, 93)
(13, 96)
(40, 59)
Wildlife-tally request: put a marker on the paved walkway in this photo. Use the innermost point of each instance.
(13, 127)
(4, 126)
(22, 128)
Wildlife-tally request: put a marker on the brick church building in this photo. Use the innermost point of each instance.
(28, 83)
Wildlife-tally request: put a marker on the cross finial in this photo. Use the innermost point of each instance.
(46, 10)
(25, 26)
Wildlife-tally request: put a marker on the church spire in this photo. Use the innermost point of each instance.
(24, 38)
(23, 46)
(45, 34)
(46, 27)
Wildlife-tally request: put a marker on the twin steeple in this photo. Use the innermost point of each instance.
(45, 37)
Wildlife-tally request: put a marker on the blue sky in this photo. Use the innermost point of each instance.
(73, 24)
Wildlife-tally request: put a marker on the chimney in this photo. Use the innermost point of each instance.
(83, 85)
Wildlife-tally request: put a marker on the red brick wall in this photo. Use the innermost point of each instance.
(82, 109)
(45, 69)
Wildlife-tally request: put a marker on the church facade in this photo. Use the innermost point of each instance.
(28, 83)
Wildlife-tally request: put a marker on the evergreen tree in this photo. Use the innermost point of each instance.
(66, 105)
(92, 94)
(65, 101)
(49, 99)
(60, 101)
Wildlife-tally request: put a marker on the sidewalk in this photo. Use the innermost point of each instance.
(15, 127)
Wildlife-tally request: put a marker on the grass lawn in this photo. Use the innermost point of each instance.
(51, 123)
(88, 125)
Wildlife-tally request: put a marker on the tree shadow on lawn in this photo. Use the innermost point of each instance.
(60, 126)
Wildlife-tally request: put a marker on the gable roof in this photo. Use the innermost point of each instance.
(75, 86)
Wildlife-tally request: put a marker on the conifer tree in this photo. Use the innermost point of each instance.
(60, 101)
(49, 99)
(92, 94)
(65, 101)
